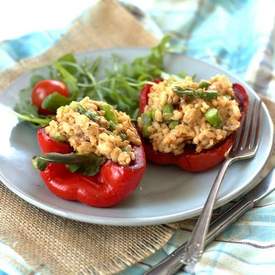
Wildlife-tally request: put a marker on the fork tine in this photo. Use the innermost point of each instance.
(240, 134)
(238, 137)
(254, 137)
(248, 125)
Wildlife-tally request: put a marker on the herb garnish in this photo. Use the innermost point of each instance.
(120, 87)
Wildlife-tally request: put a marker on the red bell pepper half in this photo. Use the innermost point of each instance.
(108, 187)
(49, 145)
(189, 160)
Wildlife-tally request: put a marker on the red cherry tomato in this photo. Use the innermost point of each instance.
(44, 88)
(190, 160)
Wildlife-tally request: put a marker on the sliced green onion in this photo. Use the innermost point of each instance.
(109, 113)
(167, 111)
(212, 116)
(146, 119)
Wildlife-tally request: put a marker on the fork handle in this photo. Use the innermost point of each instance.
(172, 262)
(196, 244)
(192, 251)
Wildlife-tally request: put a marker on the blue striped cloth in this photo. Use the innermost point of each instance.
(239, 35)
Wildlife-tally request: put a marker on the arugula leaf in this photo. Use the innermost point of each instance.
(69, 79)
(69, 57)
(35, 78)
(36, 120)
(53, 101)
(120, 87)
(124, 81)
(25, 111)
(24, 104)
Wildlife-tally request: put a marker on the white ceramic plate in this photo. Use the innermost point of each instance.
(166, 194)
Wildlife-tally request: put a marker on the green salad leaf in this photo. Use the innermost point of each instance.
(53, 101)
(120, 86)
(25, 111)
(24, 104)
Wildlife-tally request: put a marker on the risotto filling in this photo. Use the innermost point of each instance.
(183, 111)
(95, 127)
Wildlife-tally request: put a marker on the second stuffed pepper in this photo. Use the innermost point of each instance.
(91, 153)
(190, 124)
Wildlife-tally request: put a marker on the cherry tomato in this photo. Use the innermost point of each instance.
(44, 88)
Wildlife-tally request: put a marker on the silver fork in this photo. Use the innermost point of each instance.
(245, 147)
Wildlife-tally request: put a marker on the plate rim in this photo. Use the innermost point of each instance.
(128, 221)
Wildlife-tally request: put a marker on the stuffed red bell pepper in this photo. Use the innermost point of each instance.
(91, 154)
(190, 124)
